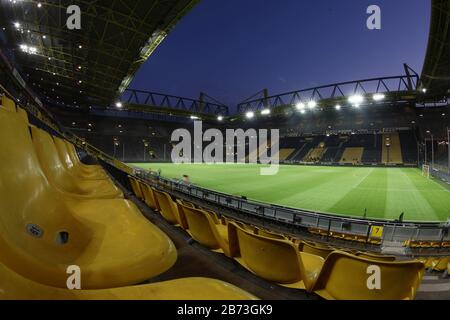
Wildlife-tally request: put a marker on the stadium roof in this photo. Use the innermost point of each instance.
(436, 71)
(94, 65)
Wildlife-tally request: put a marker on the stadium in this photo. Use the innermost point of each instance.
(99, 200)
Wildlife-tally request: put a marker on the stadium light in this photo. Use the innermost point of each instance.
(303, 111)
(312, 104)
(300, 106)
(250, 115)
(119, 104)
(378, 97)
(338, 107)
(265, 112)
(356, 99)
(220, 118)
(28, 49)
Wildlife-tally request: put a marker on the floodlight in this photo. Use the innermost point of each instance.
(250, 115)
(300, 106)
(378, 97)
(356, 99)
(312, 104)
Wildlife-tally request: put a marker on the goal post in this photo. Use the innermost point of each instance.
(426, 171)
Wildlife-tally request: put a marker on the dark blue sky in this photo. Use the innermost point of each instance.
(232, 49)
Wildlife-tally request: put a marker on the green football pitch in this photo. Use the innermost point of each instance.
(384, 192)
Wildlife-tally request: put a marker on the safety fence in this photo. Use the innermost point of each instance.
(361, 230)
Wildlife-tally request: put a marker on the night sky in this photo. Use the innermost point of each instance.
(232, 49)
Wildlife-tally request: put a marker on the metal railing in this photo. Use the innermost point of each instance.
(392, 231)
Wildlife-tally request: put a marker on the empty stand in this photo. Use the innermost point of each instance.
(8, 104)
(315, 249)
(58, 175)
(409, 147)
(352, 155)
(272, 259)
(148, 196)
(206, 230)
(374, 256)
(392, 152)
(136, 187)
(43, 231)
(315, 155)
(373, 150)
(317, 268)
(345, 277)
(17, 287)
(167, 207)
(268, 234)
(81, 172)
(289, 147)
(330, 155)
(306, 147)
(436, 263)
(284, 154)
(88, 169)
(23, 114)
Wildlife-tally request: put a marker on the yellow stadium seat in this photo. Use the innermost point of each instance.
(205, 230)
(376, 242)
(218, 219)
(437, 264)
(272, 259)
(352, 155)
(42, 231)
(348, 277)
(181, 216)
(136, 187)
(374, 256)
(315, 249)
(88, 169)
(58, 176)
(319, 232)
(269, 234)
(186, 203)
(23, 114)
(148, 195)
(15, 287)
(8, 104)
(76, 169)
(167, 207)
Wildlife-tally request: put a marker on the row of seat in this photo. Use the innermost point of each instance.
(330, 273)
(345, 236)
(421, 244)
(56, 212)
(63, 169)
(439, 264)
